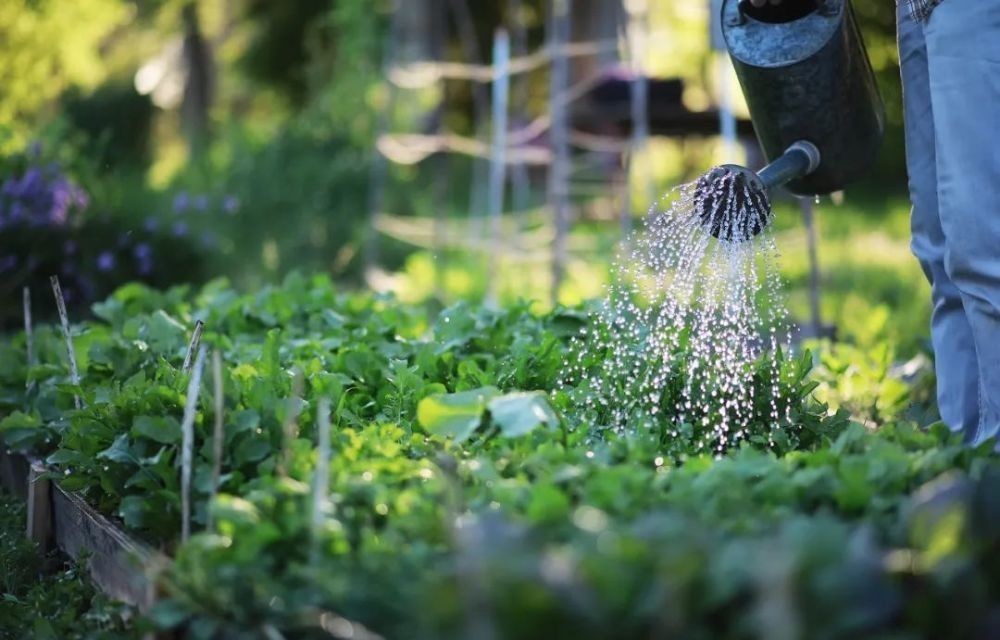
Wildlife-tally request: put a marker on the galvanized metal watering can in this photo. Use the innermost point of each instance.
(811, 92)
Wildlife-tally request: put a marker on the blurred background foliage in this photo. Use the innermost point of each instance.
(238, 137)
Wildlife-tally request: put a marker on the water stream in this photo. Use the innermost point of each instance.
(689, 331)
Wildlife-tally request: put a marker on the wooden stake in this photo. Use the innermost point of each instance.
(187, 444)
(74, 374)
(321, 475)
(29, 338)
(498, 157)
(217, 434)
(559, 35)
(809, 222)
(469, 41)
(379, 169)
(290, 429)
(39, 506)
(192, 349)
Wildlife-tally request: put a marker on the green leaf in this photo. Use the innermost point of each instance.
(66, 456)
(132, 511)
(118, 451)
(22, 431)
(547, 504)
(164, 333)
(235, 510)
(19, 420)
(245, 420)
(519, 413)
(251, 450)
(455, 414)
(162, 429)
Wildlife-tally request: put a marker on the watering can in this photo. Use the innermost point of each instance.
(810, 89)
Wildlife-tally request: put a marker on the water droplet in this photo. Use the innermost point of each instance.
(683, 311)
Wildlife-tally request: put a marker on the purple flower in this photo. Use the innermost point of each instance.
(143, 258)
(230, 204)
(151, 224)
(7, 263)
(32, 179)
(180, 228)
(201, 203)
(181, 202)
(42, 197)
(142, 251)
(105, 261)
(69, 247)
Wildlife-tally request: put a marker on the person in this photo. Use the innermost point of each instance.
(949, 54)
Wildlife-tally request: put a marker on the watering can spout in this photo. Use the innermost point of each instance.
(732, 201)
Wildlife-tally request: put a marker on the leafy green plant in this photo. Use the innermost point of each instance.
(45, 597)
(470, 492)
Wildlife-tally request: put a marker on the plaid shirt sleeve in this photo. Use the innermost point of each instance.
(920, 10)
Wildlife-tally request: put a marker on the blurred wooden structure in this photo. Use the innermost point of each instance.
(601, 111)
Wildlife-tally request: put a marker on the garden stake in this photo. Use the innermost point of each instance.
(192, 349)
(559, 30)
(187, 445)
(217, 433)
(321, 477)
(290, 428)
(29, 339)
(74, 374)
(498, 156)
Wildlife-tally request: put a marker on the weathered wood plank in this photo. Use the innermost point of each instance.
(120, 566)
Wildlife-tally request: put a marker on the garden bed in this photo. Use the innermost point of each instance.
(463, 488)
(121, 567)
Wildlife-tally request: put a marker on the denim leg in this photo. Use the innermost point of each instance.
(951, 334)
(963, 54)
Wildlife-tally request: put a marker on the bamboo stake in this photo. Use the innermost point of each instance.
(321, 476)
(469, 42)
(29, 338)
(187, 444)
(74, 373)
(192, 349)
(559, 34)
(442, 163)
(639, 109)
(379, 170)
(809, 222)
(520, 93)
(498, 159)
(290, 428)
(217, 433)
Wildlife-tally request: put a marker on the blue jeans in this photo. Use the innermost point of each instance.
(951, 95)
